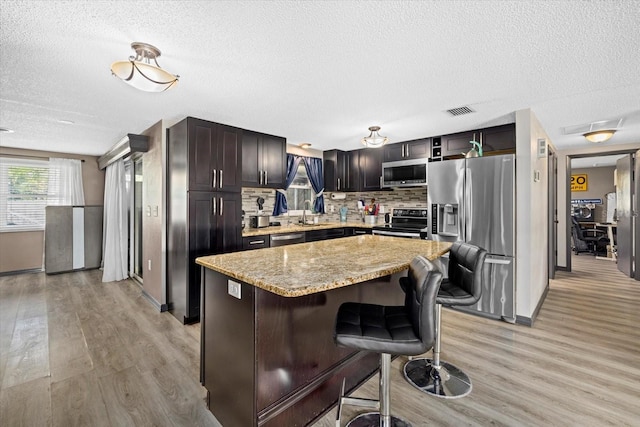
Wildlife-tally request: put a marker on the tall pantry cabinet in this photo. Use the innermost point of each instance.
(204, 205)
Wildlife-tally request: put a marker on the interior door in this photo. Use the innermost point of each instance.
(553, 213)
(625, 246)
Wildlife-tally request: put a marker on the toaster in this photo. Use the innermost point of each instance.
(258, 221)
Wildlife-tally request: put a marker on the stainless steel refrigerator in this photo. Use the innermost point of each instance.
(473, 200)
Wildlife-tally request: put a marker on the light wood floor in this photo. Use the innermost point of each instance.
(75, 351)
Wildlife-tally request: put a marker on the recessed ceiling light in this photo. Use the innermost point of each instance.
(6, 130)
(305, 145)
(66, 122)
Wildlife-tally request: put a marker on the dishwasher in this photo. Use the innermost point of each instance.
(286, 239)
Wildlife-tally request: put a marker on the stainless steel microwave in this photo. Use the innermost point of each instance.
(405, 173)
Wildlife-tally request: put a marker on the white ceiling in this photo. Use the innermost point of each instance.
(318, 71)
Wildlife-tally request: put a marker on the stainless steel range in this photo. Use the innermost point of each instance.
(405, 222)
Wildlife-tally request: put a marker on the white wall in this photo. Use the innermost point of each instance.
(531, 215)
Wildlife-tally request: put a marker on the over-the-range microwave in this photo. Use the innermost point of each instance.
(405, 173)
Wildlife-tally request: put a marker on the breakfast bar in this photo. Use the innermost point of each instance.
(268, 356)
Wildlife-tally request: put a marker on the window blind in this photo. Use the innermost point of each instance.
(24, 185)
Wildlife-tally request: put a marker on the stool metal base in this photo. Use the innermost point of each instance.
(447, 382)
(372, 419)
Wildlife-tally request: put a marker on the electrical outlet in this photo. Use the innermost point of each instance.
(149, 265)
(234, 289)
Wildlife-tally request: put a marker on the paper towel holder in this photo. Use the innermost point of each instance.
(338, 196)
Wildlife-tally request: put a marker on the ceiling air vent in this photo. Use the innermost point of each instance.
(460, 111)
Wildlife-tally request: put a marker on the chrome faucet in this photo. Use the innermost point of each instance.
(304, 211)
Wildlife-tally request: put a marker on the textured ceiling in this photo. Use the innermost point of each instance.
(319, 72)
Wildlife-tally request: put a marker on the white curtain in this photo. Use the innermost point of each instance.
(65, 182)
(114, 229)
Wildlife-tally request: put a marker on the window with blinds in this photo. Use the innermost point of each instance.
(24, 185)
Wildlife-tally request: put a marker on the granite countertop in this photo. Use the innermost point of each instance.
(308, 268)
(250, 232)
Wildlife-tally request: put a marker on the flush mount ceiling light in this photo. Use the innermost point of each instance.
(374, 139)
(305, 145)
(6, 130)
(599, 135)
(141, 73)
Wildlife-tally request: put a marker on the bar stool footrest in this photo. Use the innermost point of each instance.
(447, 382)
(372, 419)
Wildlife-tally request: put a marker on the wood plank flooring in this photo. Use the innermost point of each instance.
(78, 352)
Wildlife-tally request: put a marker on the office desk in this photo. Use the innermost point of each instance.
(610, 227)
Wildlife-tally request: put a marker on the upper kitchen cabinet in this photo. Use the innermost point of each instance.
(416, 149)
(497, 138)
(341, 170)
(264, 160)
(457, 144)
(370, 161)
(208, 154)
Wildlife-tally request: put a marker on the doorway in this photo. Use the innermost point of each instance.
(588, 201)
(134, 180)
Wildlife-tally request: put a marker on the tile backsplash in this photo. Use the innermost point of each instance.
(387, 200)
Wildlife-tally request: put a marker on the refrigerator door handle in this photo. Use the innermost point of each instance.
(497, 261)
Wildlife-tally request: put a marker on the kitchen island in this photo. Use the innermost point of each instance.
(267, 319)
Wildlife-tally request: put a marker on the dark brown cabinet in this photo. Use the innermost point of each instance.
(325, 234)
(204, 205)
(214, 154)
(416, 149)
(370, 163)
(496, 138)
(264, 160)
(457, 144)
(256, 242)
(341, 170)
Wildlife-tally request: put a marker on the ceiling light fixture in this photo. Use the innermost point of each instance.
(6, 130)
(139, 71)
(374, 139)
(599, 135)
(305, 145)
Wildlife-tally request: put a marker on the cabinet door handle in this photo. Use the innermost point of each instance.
(220, 178)
(408, 155)
(221, 206)
(338, 183)
(257, 242)
(213, 206)
(402, 150)
(265, 178)
(213, 178)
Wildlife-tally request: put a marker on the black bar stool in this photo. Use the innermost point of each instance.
(398, 330)
(463, 287)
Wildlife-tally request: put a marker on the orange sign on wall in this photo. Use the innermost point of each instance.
(579, 182)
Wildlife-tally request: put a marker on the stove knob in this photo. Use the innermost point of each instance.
(424, 213)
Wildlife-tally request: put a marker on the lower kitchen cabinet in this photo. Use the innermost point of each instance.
(255, 242)
(214, 227)
(354, 231)
(324, 234)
